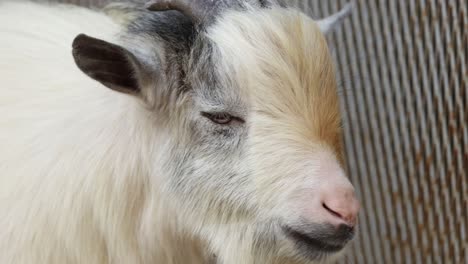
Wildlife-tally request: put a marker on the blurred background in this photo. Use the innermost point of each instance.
(403, 73)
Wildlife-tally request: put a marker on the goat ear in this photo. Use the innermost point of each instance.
(328, 24)
(107, 63)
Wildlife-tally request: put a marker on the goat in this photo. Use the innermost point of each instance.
(180, 132)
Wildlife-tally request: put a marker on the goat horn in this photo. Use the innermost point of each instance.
(186, 7)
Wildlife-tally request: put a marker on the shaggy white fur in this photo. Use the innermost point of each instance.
(80, 163)
(73, 159)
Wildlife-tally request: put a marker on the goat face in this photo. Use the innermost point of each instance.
(253, 156)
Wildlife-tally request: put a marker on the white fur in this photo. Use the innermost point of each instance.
(80, 164)
(73, 157)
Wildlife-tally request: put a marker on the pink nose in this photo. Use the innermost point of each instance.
(342, 206)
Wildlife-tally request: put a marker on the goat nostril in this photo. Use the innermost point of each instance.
(335, 213)
(348, 216)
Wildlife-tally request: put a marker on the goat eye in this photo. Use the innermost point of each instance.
(219, 118)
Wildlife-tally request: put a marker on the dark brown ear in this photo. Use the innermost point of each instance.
(107, 63)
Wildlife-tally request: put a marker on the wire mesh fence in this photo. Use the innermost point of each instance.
(403, 66)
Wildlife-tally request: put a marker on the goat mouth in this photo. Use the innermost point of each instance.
(315, 246)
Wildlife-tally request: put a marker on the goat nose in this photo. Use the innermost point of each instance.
(344, 207)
